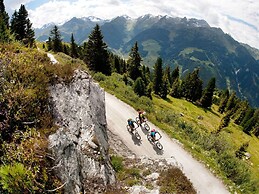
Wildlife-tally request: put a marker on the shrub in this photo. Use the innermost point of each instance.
(117, 163)
(131, 182)
(139, 87)
(16, 178)
(99, 77)
(134, 172)
(234, 169)
(174, 181)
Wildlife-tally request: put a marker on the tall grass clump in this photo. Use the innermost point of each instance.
(174, 181)
(15, 178)
(117, 163)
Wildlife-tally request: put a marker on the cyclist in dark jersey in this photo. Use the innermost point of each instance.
(131, 124)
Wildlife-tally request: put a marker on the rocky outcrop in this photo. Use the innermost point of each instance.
(80, 144)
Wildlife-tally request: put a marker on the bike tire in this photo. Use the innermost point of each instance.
(138, 137)
(146, 126)
(128, 128)
(149, 138)
(159, 145)
(137, 120)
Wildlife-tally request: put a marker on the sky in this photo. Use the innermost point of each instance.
(238, 18)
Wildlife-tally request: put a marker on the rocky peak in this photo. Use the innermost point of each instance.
(80, 144)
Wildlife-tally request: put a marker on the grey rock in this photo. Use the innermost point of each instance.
(79, 111)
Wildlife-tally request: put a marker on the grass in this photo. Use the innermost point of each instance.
(27, 74)
(196, 135)
(174, 181)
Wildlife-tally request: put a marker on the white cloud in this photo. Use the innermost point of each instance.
(239, 18)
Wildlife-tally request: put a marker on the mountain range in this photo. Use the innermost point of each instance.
(187, 43)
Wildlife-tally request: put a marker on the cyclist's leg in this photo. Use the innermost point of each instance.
(132, 127)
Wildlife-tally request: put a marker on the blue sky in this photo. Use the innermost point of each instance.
(34, 4)
(239, 18)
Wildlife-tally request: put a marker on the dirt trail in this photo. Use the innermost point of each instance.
(117, 113)
(52, 58)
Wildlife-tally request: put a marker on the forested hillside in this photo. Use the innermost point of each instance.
(182, 42)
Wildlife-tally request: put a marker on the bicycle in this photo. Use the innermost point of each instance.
(134, 131)
(155, 142)
(145, 125)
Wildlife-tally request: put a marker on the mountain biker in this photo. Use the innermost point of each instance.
(153, 134)
(131, 124)
(141, 116)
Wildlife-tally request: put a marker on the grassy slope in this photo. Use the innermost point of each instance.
(210, 122)
(160, 112)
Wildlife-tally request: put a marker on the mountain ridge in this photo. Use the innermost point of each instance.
(187, 43)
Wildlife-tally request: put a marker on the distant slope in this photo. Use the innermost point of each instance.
(188, 43)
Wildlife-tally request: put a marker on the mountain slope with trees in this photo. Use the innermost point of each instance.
(186, 43)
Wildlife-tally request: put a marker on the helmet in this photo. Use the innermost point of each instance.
(153, 130)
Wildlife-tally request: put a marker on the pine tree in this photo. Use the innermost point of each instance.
(49, 44)
(175, 75)
(29, 34)
(248, 126)
(231, 102)
(248, 115)
(192, 86)
(4, 32)
(65, 49)
(176, 89)
(73, 48)
(241, 112)
(223, 102)
(139, 87)
(14, 22)
(96, 55)
(117, 65)
(158, 76)
(4, 24)
(134, 62)
(168, 74)
(56, 40)
(21, 26)
(206, 99)
(4, 15)
(224, 121)
(165, 85)
(146, 74)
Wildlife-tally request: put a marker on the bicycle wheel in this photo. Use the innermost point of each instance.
(159, 145)
(146, 126)
(129, 129)
(138, 137)
(137, 120)
(149, 138)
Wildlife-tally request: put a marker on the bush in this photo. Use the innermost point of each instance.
(174, 181)
(24, 117)
(234, 169)
(139, 87)
(117, 163)
(16, 178)
(99, 77)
